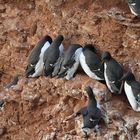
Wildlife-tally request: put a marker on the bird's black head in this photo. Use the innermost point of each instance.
(89, 91)
(106, 56)
(30, 69)
(60, 38)
(48, 38)
(57, 41)
(90, 47)
(129, 76)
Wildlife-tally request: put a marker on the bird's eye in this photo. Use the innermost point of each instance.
(51, 65)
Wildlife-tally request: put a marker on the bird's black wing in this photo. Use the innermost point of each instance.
(57, 66)
(136, 89)
(92, 60)
(94, 63)
(51, 55)
(114, 70)
(69, 59)
(114, 73)
(90, 120)
(70, 62)
(97, 115)
(34, 55)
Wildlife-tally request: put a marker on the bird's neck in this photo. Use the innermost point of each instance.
(92, 102)
(128, 81)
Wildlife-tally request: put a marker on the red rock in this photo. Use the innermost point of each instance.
(2, 131)
(44, 102)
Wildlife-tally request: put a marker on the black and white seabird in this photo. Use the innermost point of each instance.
(113, 72)
(70, 61)
(52, 54)
(134, 6)
(132, 90)
(35, 65)
(91, 62)
(91, 113)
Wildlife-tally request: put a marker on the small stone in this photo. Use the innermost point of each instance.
(131, 124)
(33, 29)
(111, 136)
(2, 8)
(123, 137)
(67, 137)
(41, 101)
(138, 126)
(2, 131)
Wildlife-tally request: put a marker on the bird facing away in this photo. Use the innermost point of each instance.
(113, 72)
(134, 6)
(91, 113)
(91, 62)
(132, 90)
(52, 54)
(70, 61)
(35, 64)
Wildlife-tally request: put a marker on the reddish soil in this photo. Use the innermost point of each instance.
(35, 108)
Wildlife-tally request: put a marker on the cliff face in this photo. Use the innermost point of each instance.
(35, 108)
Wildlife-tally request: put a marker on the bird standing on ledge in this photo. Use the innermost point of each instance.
(35, 64)
(132, 90)
(113, 72)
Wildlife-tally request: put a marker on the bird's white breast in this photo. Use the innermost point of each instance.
(130, 96)
(40, 64)
(106, 78)
(61, 49)
(132, 11)
(86, 68)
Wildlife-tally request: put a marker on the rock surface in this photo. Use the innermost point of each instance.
(36, 108)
